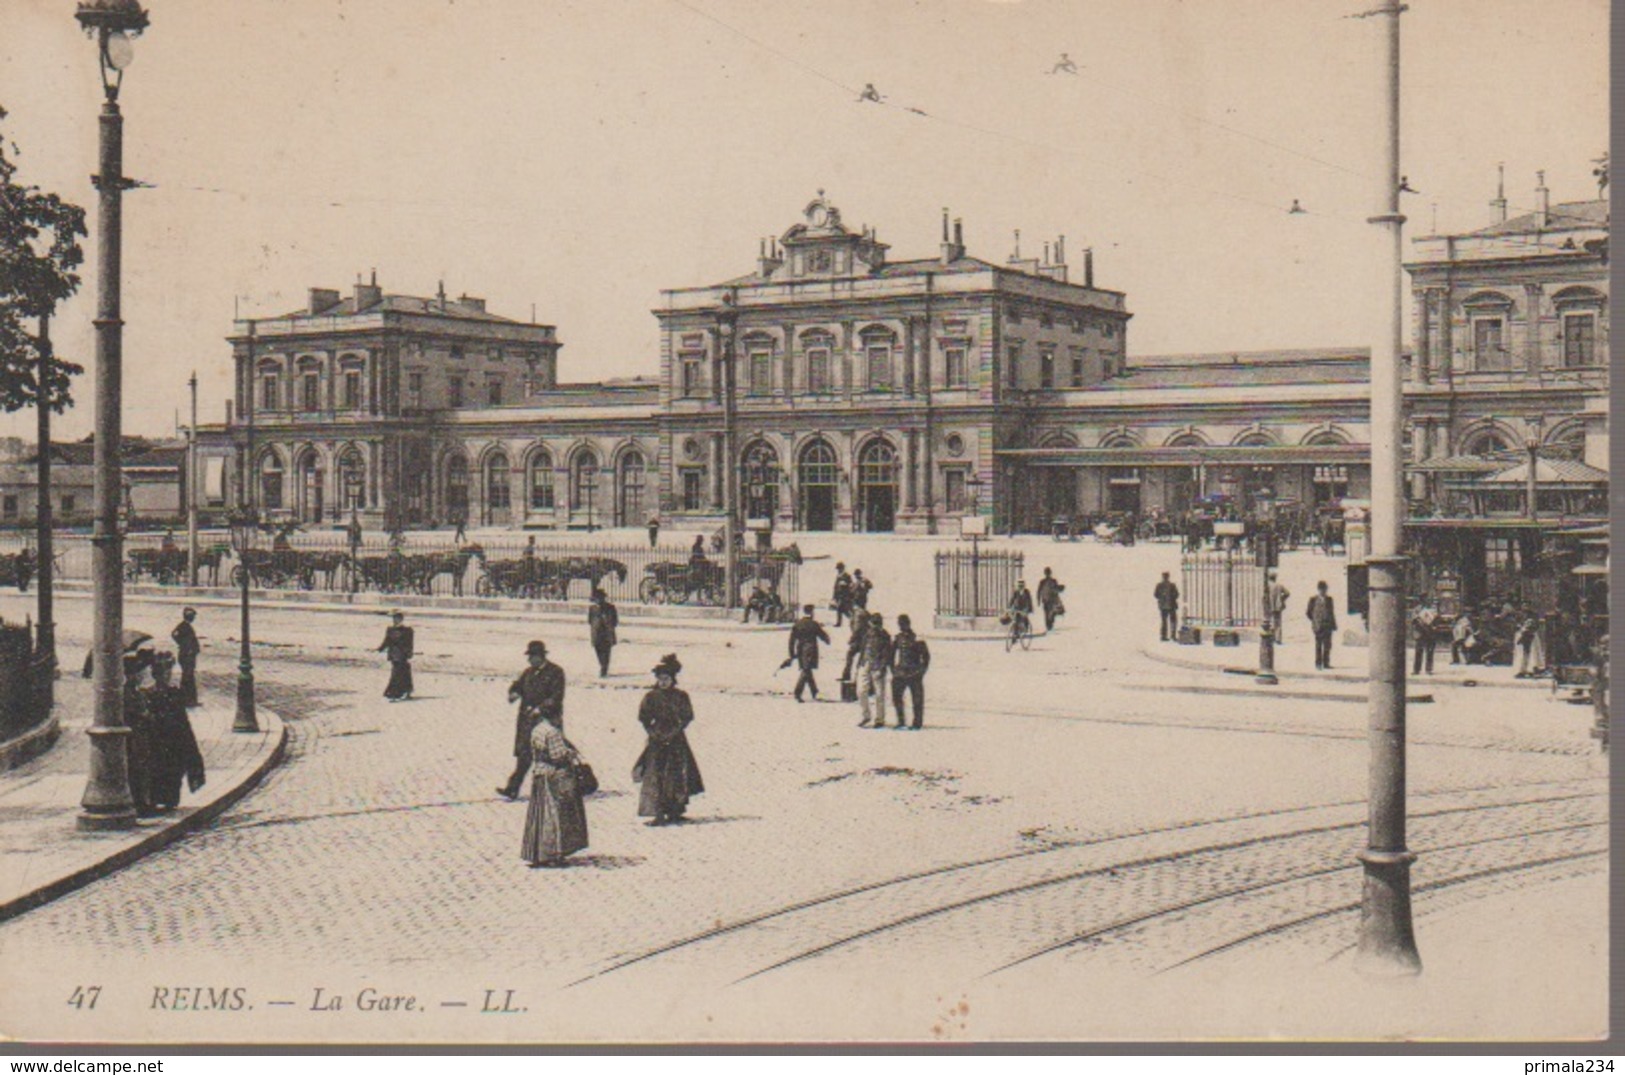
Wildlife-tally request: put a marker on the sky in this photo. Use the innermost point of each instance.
(581, 155)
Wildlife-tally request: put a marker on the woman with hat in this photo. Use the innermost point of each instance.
(174, 751)
(666, 768)
(397, 646)
(556, 823)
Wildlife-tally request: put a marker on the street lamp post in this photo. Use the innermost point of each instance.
(1531, 487)
(727, 323)
(975, 483)
(191, 489)
(107, 803)
(245, 524)
(1387, 940)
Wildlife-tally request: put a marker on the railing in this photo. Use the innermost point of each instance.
(1222, 588)
(976, 583)
(427, 565)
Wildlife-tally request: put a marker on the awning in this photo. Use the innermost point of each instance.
(1462, 464)
(1551, 472)
(1191, 455)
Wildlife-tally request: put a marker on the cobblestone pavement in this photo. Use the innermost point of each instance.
(1101, 815)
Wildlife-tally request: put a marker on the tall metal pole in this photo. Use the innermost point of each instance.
(107, 803)
(45, 644)
(730, 461)
(191, 489)
(1387, 943)
(245, 719)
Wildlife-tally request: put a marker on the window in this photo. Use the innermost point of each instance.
(879, 368)
(10, 507)
(1580, 340)
(955, 358)
(1046, 367)
(761, 373)
(310, 396)
(541, 482)
(352, 480)
(414, 389)
(456, 354)
(583, 480)
(1109, 329)
(493, 393)
(496, 483)
(759, 481)
(67, 505)
(693, 375)
(268, 392)
(954, 491)
(1488, 352)
(454, 392)
(1079, 364)
(693, 489)
(1046, 319)
(352, 389)
(1012, 366)
(270, 483)
(818, 370)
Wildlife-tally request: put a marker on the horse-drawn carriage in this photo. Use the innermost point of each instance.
(274, 568)
(398, 571)
(18, 569)
(545, 578)
(699, 582)
(164, 566)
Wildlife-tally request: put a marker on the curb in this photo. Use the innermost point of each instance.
(159, 838)
(1323, 677)
(32, 743)
(1271, 692)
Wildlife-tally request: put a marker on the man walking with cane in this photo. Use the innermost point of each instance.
(804, 639)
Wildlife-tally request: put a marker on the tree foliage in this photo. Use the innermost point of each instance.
(39, 258)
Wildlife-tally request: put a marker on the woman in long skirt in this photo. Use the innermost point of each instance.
(176, 757)
(556, 823)
(666, 768)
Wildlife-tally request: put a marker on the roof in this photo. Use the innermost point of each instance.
(1258, 368)
(1550, 471)
(894, 270)
(403, 304)
(1562, 217)
(1462, 464)
(1192, 455)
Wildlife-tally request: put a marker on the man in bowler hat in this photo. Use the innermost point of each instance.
(539, 690)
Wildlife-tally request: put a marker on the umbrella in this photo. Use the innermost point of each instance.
(134, 640)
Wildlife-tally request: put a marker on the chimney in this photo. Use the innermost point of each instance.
(767, 261)
(1543, 212)
(1060, 250)
(471, 302)
(440, 295)
(367, 294)
(1046, 255)
(950, 252)
(1054, 269)
(1499, 205)
(323, 299)
(1088, 266)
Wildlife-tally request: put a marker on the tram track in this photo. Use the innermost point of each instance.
(860, 915)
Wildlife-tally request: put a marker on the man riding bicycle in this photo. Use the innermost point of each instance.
(1020, 609)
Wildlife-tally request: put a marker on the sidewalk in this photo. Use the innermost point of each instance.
(48, 856)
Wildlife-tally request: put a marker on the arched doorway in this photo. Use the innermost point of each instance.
(629, 489)
(759, 481)
(1183, 482)
(498, 493)
(877, 487)
(457, 488)
(414, 485)
(584, 485)
(312, 478)
(352, 481)
(820, 477)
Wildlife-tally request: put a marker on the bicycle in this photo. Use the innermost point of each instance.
(1021, 632)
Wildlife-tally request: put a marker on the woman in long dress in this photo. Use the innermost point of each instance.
(556, 823)
(175, 754)
(666, 768)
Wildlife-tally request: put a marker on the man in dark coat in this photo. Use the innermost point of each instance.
(667, 769)
(1323, 621)
(910, 660)
(804, 639)
(539, 690)
(1049, 599)
(397, 645)
(842, 597)
(654, 530)
(602, 619)
(187, 650)
(1167, 595)
(860, 590)
(854, 642)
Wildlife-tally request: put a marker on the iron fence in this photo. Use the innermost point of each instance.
(1222, 588)
(976, 583)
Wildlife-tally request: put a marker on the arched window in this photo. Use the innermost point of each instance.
(541, 481)
(497, 493)
(352, 480)
(759, 481)
(583, 480)
(457, 486)
(312, 487)
(270, 482)
(1188, 440)
(819, 475)
(1485, 442)
(270, 386)
(1255, 439)
(629, 478)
